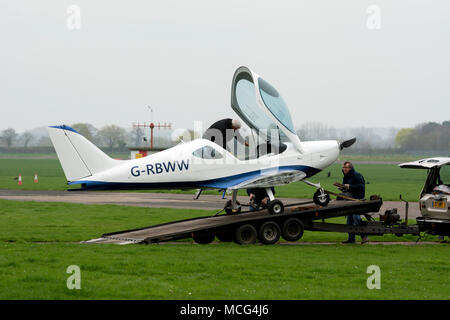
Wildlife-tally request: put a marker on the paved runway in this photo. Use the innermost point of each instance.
(159, 200)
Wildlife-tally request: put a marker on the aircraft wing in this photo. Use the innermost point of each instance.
(263, 178)
(270, 180)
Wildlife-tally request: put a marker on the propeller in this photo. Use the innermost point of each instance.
(347, 143)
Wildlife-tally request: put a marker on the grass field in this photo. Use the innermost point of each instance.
(39, 241)
(386, 180)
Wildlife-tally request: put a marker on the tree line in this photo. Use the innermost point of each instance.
(429, 136)
(110, 137)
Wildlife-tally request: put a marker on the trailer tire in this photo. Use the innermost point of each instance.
(321, 200)
(293, 229)
(225, 236)
(275, 207)
(246, 234)
(269, 232)
(204, 238)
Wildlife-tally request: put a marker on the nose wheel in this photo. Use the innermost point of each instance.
(321, 198)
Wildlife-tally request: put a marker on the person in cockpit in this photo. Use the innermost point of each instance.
(223, 132)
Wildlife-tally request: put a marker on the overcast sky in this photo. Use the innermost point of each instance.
(344, 63)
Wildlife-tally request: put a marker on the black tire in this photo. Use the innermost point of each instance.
(228, 209)
(225, 236)
(269, 232)
(293, 229)
(321, 200)
(246, 234)
(203, 238)
(275, 207)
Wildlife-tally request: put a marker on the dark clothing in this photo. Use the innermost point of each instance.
(357, 190)
(217, 133)
(260, 194)
(357, 185)
(353, 220)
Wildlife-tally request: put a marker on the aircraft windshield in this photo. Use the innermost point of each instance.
(261, 107)
(246, 99)
(275, 104)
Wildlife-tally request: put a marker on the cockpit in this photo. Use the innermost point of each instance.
(263, 109)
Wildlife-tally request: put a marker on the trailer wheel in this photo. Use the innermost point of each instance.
(321, 199)
(275, 207)
(293, 229)
(269, 233)
(204, 238)
(245, 234)
(225, 236)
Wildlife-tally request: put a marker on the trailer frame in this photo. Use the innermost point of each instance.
(249, 227)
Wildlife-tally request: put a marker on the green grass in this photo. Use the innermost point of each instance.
(386, 180)
(376, 157)
(38, 241)
(65, 222)
(49, 171)
(225, 271)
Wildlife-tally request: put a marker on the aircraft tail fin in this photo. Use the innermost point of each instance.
(79, 157)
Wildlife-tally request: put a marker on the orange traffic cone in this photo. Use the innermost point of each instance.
(35, 178)
(20, 180)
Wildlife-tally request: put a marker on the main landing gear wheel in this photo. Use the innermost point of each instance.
(321, 198)
(275, 207)
(229, 210)
(293, 229)
(269, 233)
(246, 234)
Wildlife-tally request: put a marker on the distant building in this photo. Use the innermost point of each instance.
(140, 152)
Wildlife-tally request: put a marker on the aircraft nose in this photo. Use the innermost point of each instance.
(329, 154)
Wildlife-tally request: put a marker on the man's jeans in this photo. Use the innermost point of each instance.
(354, 220)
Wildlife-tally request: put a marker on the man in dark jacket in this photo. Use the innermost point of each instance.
(259, 197)
(353, 185)
(223, 132)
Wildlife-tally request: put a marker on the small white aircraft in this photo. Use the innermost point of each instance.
(201, 163)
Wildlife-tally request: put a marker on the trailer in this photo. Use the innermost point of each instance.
(290, 221)
(250, 227)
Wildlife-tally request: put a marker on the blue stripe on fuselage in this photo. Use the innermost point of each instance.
(219, 183)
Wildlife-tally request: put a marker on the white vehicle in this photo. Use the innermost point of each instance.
(202, 164)
(435, 195)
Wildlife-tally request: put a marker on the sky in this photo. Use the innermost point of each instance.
(353, 63)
